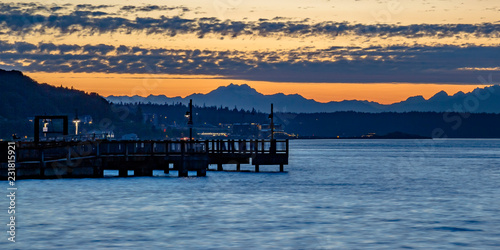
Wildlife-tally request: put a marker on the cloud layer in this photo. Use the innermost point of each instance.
(444, 64)
(28, 19)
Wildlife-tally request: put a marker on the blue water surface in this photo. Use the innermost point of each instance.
(341, 194)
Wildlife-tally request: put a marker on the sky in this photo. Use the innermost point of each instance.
(327, 50)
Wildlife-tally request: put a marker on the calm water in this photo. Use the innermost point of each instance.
(343, 194)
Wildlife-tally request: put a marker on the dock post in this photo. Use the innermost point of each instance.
(201, 172)
(281, 168)
(256, 168)
(98, 168)
(167, 168)
(126, 151)
(219, 167)
(144, 171)
(139, 172)
(183, 172)
(123, 172)
(182, 166)
(98, 164)
(42, 163)
(68, 156)
(238, 167)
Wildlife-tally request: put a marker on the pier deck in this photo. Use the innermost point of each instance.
(83, 159)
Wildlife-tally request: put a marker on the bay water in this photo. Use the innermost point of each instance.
(335, 194)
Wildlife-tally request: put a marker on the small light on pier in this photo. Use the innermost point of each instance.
(76, 121)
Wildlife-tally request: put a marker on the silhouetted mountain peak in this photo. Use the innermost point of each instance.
(11, 72)
(486, 91)
(415, 99)
(243, 89)
(439, 96)
(155, 96)
(13, 79)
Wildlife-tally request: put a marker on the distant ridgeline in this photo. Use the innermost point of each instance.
(22, 98)
(480, 100)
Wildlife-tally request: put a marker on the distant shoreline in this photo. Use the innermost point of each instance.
(372, 138)
(393, 135)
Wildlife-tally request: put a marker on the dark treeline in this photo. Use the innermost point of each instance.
(201, 115)
(427, 124)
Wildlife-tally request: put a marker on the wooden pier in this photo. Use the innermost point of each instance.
(84, 159)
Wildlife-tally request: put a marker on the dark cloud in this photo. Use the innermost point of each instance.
(30, 7)
(420, 64)
(56, 8)
(122, 50)
(90, 7)
(101, 49)
(149, 8)
(65, 48)
(22, 47)
(90, 13)
(47, 47)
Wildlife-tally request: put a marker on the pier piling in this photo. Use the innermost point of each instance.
(123, 172)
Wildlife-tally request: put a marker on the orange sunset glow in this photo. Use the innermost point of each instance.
(172, 86)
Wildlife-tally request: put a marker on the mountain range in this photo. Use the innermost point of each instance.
(480, 100)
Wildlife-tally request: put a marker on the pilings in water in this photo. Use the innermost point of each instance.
(181, 169)
(144, 171)
(237, 152)
(89, 159)
(123, 172)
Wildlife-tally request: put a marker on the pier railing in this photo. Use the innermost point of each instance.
(248, 146)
